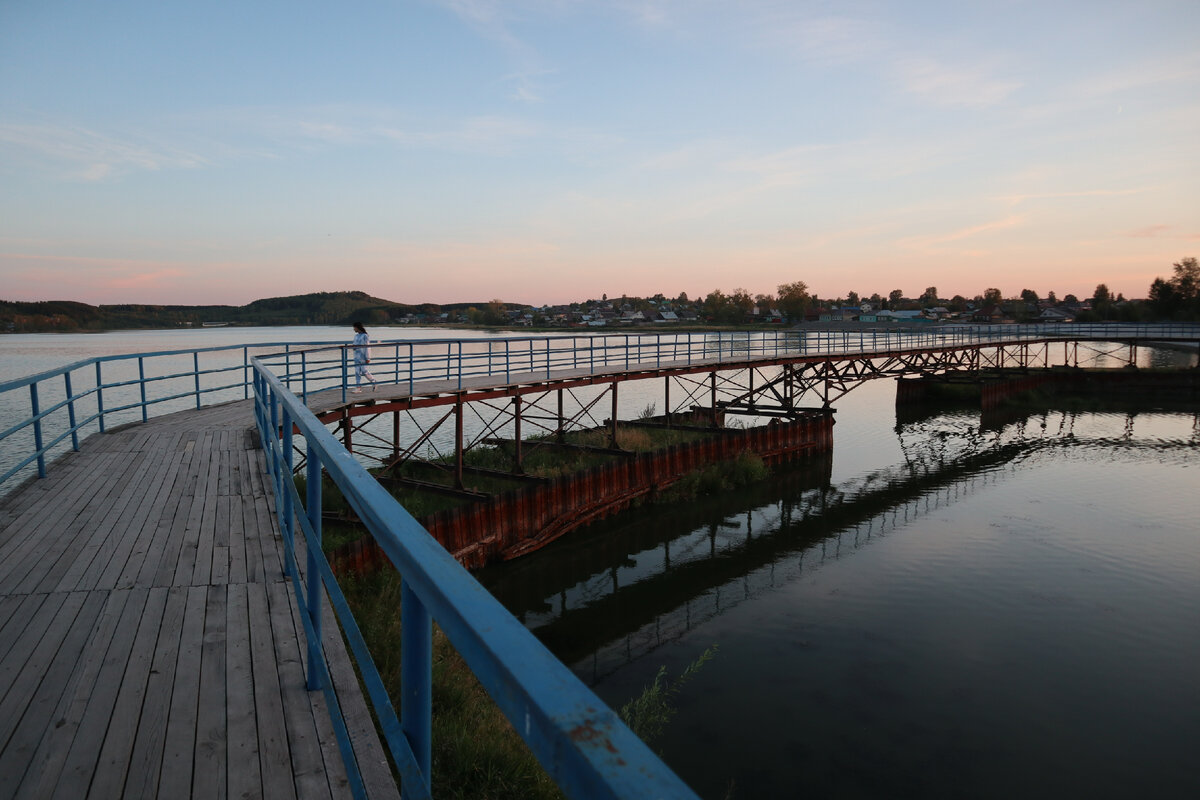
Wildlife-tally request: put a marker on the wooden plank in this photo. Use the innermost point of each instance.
(30, 546)
(159, 566)
(80, 765)
(81, 573)
(224, 473)
(180, 561)
(240, 474)
(369, 752)
(252, 515)
(258, 475)
(131, 537)
(24, 667)
(16, 611)
(177, 533)
(31, 493)
(208, 780)
(17, 755)
(220, 550)
(237, 539)
(46, 764)
(144, 546)
(269, 540)
(275, 758)
(317, 769)
(145, 762)
(204, 544)
(245, 773)
(12, 663)
(39, 505)
(112, 540)
(180, 740)
(113, 764)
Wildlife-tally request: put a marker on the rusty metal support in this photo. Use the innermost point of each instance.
(519, 455)
(562, 422)
(347, 429)
(395, 435)
(458, 442)
(713, 403)
(612, 431)
(667, 399)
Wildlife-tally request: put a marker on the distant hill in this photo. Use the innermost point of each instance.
(320, 308)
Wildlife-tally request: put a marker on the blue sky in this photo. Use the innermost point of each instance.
(549, 150)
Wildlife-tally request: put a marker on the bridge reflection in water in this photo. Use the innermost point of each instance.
(608, 596)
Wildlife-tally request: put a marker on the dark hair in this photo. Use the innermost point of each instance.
(358, 327)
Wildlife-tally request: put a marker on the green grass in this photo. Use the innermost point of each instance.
(476, 752)
(744, 470)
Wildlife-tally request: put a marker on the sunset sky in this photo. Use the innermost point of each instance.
(543, 151)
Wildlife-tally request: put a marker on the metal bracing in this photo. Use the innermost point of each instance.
(1094, 351)
(524, 416)
(425, 436)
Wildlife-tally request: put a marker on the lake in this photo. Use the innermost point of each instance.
(949, 606)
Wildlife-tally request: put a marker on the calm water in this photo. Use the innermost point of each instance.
(949, 608)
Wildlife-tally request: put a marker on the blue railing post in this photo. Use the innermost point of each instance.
(416, 677)
(272, 466)
(99, 397)
(313, 508)
(304, 375)
(37, 429)
(345, 371)
(196, 374)
(71, 411)
(142, 385)
(288, 523)
(245, 372)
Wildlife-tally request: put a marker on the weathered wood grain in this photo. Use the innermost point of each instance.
(149, 644)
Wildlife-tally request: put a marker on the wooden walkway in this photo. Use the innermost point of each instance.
(150, 644)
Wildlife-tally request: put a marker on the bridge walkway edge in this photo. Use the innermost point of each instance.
(150, 643)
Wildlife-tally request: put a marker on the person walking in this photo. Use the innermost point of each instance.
(362, 357)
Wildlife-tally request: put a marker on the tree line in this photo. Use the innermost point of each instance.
(1173, 298)
(1176, 297)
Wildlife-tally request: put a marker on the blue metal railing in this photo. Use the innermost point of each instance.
(59, 404)
(93, 394)
(582, 743)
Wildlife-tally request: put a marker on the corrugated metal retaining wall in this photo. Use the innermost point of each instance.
(520, 521)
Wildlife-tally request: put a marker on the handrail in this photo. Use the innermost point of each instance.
(583, 745)
(171, 380)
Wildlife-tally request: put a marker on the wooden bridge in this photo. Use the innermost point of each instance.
(149, 638)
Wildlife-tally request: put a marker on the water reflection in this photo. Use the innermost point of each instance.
(611, 594)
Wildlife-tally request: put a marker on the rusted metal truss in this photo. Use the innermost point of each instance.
(538, 414)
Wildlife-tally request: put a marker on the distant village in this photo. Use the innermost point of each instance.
(658, 311)
(1173, 298)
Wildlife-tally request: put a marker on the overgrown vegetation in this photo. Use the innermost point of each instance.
(476, 752)
(744, 470)
(647, 714)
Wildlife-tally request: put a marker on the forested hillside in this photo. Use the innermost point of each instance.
(321, 308)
